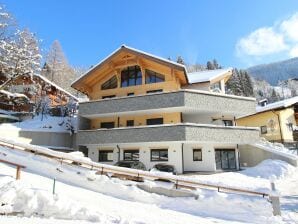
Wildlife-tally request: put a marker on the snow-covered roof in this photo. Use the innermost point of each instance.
(280, 104)
(58, 87)
(208, 75)
(13, 95)
(132, 49)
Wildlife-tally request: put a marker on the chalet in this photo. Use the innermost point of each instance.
(25, 92)
(143, 107)
(277, 121)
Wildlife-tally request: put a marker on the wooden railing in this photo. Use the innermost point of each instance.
(103, 169)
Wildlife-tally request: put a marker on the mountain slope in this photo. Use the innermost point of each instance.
(276, 71)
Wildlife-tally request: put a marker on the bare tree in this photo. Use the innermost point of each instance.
(19, 55)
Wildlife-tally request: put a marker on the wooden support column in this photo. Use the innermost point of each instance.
(18, 174)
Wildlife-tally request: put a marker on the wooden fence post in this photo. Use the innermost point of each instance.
(18, 174)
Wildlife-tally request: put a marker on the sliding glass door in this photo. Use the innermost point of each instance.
(225, 159)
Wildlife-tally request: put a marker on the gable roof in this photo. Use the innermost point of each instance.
(280, 104)
(56, 86)
(135, 51)
(208, 75)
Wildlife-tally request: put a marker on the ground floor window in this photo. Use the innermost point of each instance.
(225, 159)
(159, 155)
(197, 154)
(105, 156)
(131, 155)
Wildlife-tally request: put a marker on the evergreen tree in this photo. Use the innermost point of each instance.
(274, 96)
(210, 65)
(180, 60)
(215, 64)
(234, 85)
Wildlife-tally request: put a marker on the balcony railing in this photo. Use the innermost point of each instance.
(181, 100)
(169, 132)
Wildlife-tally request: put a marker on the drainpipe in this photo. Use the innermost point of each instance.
(279, 124)
(238, 156)
(118, 122)
(118, 152)
(182, 150)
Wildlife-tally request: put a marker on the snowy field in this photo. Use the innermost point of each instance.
(47, 123)
(105, 200)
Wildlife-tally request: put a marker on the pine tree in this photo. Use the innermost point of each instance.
(180, 60)
(210, 65)
(274, 96)
(215, 64)
(234, 85)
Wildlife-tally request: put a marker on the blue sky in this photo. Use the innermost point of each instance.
(236, 33)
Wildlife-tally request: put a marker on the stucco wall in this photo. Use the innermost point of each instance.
(174, 153)
(263, 119)
(43, 138)
(168, 118)
(251, 156)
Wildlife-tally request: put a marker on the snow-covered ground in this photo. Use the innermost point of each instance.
(46, 123)
(105, 200)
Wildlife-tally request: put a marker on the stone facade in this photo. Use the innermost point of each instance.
(184, 99)
(166, 133)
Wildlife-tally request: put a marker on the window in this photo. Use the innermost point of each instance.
(110, 84)
(154, 121)
(129, 123)
(155, 91)
(263, 129)
(110, 96)
(215, 86)
(131, 155)
(228, 122)
(154, 77)
(197, 154)
(105, 156)
(107, 124)
(131, 76)
(159, 154)
(130, 94)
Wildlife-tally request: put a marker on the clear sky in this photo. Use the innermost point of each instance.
(237, 33)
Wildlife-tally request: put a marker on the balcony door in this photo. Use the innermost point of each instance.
(225, 159)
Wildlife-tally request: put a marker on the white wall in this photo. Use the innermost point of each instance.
(174, 153)
(208, 158)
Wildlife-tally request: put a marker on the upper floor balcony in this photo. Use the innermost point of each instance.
(177, 101)
(169, 133)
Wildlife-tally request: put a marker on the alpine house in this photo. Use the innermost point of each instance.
(146, 108)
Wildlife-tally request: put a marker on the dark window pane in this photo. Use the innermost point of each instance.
(155, 91)
(159, 155)
(263, 129)
(228, 122)
(154, 121)
(107, 125)
(110, 96)
(129, 123)
(154, 77)
(130, 94)
(197, 155)
(131, 155)
(131, 76)
(105, 156)
(110, 84)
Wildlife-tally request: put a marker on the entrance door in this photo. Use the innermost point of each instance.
(225, 159)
